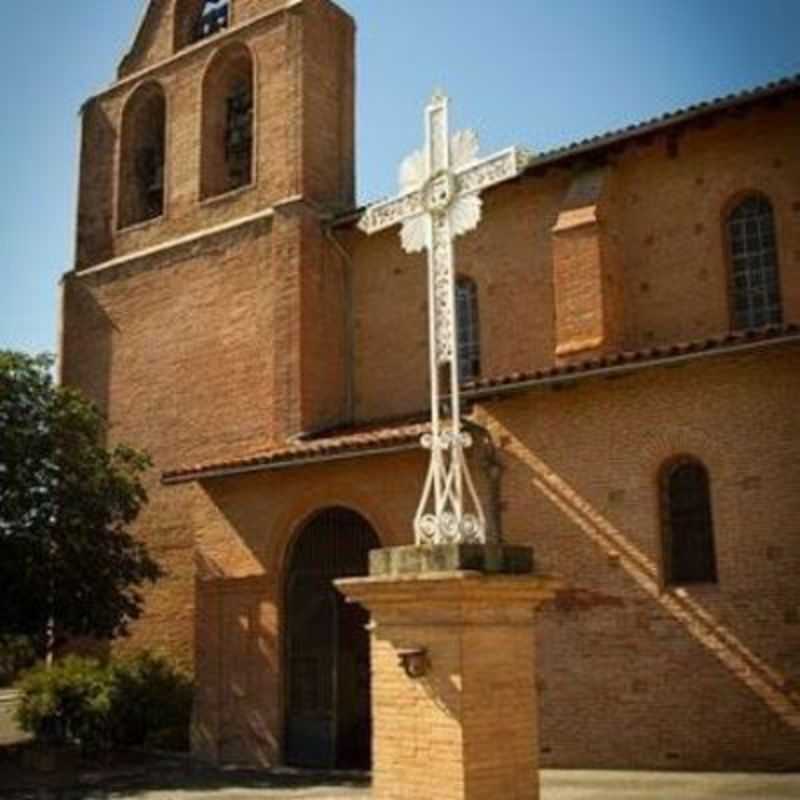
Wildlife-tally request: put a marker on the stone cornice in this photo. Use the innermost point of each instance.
(172, 244)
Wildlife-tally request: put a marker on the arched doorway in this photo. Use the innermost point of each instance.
(328, 715)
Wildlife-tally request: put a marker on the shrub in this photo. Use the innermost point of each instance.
(134, 702)
(69, 702)
(152, 703)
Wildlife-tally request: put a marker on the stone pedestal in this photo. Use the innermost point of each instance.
(464, 617)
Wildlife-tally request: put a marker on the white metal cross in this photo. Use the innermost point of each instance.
(439, 201)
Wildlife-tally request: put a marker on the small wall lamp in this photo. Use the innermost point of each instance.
(414, 662)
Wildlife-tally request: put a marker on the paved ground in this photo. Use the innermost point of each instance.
(144, 777)
(667, 786)
(177, 779)
(9, 732)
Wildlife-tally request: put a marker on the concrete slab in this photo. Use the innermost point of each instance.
(578, 785)
(9, 730)
(555, 786)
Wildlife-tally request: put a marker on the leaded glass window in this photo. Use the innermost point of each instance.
(688, 528)
(469, 341)
(754, 264)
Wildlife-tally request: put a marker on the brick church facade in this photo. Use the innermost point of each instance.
(630, 312)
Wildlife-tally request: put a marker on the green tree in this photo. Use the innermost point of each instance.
(68, 564)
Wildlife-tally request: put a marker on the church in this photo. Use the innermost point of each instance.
(629, 350)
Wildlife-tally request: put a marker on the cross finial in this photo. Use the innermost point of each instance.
(439, 201)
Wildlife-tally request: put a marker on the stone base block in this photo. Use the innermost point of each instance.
(454, 678)
(488, 559)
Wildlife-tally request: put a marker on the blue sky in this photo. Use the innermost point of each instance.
(533, 72)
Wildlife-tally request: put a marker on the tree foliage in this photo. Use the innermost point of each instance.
(67, 504)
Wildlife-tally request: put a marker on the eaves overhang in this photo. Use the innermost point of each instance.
(392, 439)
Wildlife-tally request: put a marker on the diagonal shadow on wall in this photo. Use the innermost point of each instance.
(765, 682)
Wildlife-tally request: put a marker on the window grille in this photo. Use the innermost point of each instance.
(688, 529)
(754, 264)
(239, 135)
(469, 342)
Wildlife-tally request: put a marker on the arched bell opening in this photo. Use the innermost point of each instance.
(227, 140)
(326, 653)
(143, 156)
(195, 20)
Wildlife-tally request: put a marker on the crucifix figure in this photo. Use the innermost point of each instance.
(439, 201)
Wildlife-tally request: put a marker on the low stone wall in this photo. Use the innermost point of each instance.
(9, 730)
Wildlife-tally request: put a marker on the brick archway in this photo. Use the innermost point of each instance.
(326, 645)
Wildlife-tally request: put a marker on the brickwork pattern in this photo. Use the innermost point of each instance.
(284, 166)
(467, 728)
(659, 248)
(155, 40)
(220, 347)
(624, 681)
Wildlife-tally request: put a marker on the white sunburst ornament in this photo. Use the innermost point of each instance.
(439, 201)
(441, 192)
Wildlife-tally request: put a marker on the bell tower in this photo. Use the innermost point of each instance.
(230, 123)
(215, 96)
(205, 312)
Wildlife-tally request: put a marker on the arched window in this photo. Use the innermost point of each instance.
(687, 523)
(142, 153)
(227, 143)
(469, 334)
(199, 19)
(756, 293)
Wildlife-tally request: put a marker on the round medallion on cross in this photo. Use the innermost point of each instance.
(439, 192)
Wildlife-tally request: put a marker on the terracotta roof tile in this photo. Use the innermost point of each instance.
(360, 441)
(671, 118)
(376, 438)
(650, 356)
(663, 122)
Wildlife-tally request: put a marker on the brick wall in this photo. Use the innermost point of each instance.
(293, 104)
(146, 343)
(630, 674)
(244, 528)
(660, 237)
(155, 39)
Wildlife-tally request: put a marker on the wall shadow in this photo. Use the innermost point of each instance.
(87, 344)
(133, 775)
(765, 682)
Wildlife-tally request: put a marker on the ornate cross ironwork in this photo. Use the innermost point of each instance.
(439, 201)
